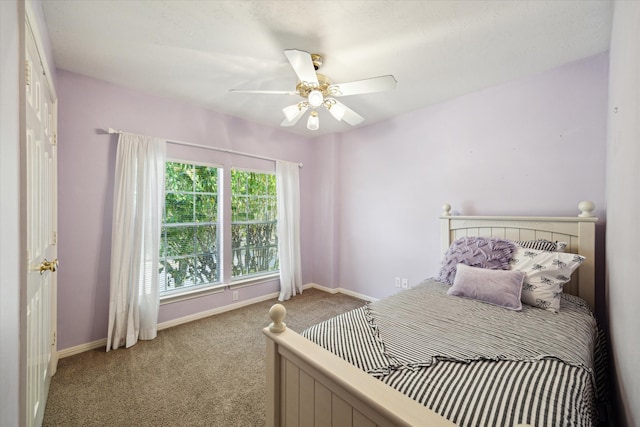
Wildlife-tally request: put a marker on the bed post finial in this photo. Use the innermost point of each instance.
(446, 209)
(277, 314)
(586, 209)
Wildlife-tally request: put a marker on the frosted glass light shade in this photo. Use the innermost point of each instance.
(313, 123)
(315, 98)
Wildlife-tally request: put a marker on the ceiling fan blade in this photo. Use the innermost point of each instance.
(268, 92)
(294, 120)
(374, 84)
(302, 65)
(347, 114)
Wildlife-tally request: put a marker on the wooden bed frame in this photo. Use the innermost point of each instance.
(310, 386)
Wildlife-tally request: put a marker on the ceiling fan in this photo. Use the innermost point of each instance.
(318, 91)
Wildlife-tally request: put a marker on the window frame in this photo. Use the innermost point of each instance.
(225, 252)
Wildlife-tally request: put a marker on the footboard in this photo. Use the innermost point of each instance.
(308, 385)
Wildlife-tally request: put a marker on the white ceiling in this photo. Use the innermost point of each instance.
(198, 50)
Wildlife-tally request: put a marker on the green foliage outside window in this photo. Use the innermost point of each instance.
(189, 249)
(254, 239)
(191, 230)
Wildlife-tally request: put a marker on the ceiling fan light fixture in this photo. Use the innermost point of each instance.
(316, 90)
(313, 123)
(315, 98)
(291, 111)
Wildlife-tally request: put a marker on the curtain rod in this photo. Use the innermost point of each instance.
(207, 147)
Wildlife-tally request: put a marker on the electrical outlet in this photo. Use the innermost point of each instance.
(235, 295)
(405, 283)
(398, 285)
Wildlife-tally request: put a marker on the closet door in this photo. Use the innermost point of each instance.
(41, 220)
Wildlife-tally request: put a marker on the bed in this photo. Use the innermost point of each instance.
(425, 357)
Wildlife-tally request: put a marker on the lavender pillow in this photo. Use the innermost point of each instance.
(497, 287)
(484, 252)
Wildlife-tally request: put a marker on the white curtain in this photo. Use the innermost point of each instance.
(137, 220)
(288, 193)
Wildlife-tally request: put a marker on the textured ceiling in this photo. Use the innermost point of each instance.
(198, 50)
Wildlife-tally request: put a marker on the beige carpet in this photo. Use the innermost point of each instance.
(210, 372)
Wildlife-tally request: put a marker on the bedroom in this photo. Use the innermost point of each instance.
(565, 112)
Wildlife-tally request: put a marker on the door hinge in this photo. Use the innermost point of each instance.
(27, 72)
(53, 340)
(54, 237)
(54, 139)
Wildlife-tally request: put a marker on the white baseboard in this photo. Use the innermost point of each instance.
(212, 312)
(196, 316)
(341, 291)
(320, 288)
(82, 348)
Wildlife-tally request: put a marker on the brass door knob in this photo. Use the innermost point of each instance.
(48, 265)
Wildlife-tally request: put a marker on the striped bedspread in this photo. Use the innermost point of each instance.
(474, 363)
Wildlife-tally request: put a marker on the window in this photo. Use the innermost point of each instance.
(192, 229)
(254, 239)
(190, 245)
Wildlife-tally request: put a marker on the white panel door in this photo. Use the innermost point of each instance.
(41, 194)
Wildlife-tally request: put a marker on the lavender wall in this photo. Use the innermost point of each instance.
(86, 165)
(532, 146)
(370, 198)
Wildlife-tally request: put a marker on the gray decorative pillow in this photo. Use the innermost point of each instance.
(483, 252)
(497, 287)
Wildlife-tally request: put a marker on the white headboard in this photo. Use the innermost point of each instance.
(578, 232)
